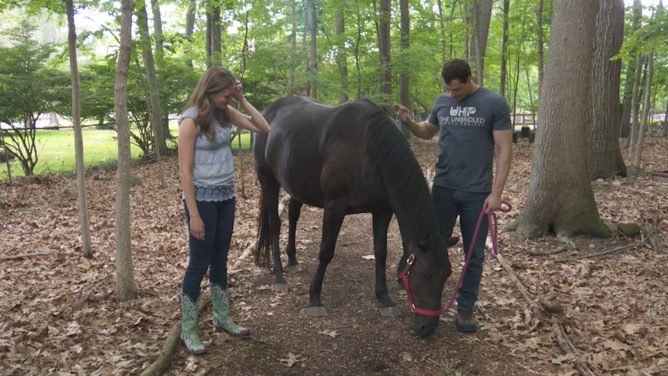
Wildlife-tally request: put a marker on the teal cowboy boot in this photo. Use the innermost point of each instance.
(189, 313)
(221, 313)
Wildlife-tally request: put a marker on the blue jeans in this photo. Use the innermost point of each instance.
(210, 253)
(449, 204)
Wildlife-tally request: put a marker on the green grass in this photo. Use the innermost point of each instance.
(55, 151)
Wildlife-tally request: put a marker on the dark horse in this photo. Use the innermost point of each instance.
(350, 159)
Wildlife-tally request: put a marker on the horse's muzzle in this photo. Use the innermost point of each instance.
(424, 325)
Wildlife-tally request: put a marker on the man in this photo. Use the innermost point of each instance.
(471, 121)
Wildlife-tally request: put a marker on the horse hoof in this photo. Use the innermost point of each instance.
(392, 311)
(294, 268)
(279, 287)
(316, 311)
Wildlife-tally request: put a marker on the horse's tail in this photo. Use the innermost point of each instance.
(263, 246)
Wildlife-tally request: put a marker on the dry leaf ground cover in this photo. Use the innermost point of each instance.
(59, 316)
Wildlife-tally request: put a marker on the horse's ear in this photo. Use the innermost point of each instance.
(452, 241)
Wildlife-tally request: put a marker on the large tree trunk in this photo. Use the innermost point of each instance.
(504, 49)
(482, 16)
(314, 51)
(645, 110)
(539, 43)
(560, 196)
(78, 138)
(160, 146)
(605, 157)
(404, 75)
(358, 39)
(125, 283)
(341, 55)
(384, 55)
(625, 127)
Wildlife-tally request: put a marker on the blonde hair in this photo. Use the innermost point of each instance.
(212, 81)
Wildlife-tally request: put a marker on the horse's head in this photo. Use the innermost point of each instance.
(423, 270)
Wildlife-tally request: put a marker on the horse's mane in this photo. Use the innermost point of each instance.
(400, 171)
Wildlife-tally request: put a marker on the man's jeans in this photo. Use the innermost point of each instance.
(210, 253)
(449, 204)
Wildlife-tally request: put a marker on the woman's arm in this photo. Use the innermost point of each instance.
(255, 122)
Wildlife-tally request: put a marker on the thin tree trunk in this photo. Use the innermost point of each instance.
(645, 111)
(467, 27)
(442, 26)
(504, 48)
(125, 283)
(307, 61)
(160, 58)
(314, 51)
(404, 76)
(635, 105)
(207, 39)
(483, 18)
(341, 55)
(358, 40)
(452, 15)
(294, 46)
(216, 43)
(539, 42)
(625, 127)
(9, 168)
(78, 138)
(384, 55)
(605, 157)
(560, 197)
(665, 122)
(526, 72)
(190, 27)
(160, 146)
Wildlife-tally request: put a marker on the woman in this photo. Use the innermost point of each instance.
(207, 177)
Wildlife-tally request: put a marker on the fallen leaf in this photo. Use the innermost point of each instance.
(406, 356)
(331, 333)
(369, 257)
(292, 359)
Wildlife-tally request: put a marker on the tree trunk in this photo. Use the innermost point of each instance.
(160, 146)
(216, 43)
(307, 59)
(441, 21)
(358, 39)
(539, 42)
(341, 55)
(78, 138)
(645, 111)
(605, 157)
(483, 17)
(207, 39)
(467, 28)
(314, 51)
(160, 58)
(190, 27)
(404, 75)
(504, 48)
(125, 283)
(635, 106)
(625, 128)
(294, 46)
(384, 55)
(560, 197)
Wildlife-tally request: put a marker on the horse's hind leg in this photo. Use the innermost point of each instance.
(381, 222)
(331, 225)
(294, 210)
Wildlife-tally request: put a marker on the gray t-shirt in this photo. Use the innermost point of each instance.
(466, 140)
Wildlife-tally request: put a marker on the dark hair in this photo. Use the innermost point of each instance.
(212, 81)
(456, 69)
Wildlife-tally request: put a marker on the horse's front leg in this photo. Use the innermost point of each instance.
(381, 222)
(294, 210)
(331, 225)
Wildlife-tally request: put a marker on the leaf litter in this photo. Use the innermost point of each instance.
(59, 315)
